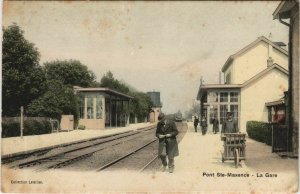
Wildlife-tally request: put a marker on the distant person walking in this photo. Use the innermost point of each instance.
(196, 121)
(229, 126)
(215, 122)
(203, 125)
(167, 131)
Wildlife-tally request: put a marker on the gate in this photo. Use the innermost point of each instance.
(279, 138)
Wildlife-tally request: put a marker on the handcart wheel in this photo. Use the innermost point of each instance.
(236, 157)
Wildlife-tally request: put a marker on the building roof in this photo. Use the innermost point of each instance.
(275, 103)
(204, 88)
(282, 11)
(105, 90)
(264, 72)
(245, 49)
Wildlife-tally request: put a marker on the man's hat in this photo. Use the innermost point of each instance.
(229, 114)
(161, 116)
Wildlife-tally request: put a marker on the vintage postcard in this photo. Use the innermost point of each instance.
(150, 96)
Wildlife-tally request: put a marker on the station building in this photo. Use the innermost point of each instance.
(253, 76)
(287, 13)
(101, 108)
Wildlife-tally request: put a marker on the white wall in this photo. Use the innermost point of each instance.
(254, 61)
(268, 88)
(280, 58)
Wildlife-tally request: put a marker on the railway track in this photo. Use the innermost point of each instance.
(134, 150)
(141, 158)
(67, 154)
(131, 160)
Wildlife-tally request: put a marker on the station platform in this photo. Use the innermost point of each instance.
(17, 145)
(198, 169)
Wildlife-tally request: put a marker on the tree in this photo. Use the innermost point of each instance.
(58, 99)
(109, 81)
(23, 79)
(70, 72)
(141, 105)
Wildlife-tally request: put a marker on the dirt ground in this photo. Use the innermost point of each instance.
(198, 168)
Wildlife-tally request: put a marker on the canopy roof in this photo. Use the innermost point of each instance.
(104, 90)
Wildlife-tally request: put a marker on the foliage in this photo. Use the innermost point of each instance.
(81, 127)
(58, 99)
(70, 72)
(11, 129)
(31, 127)
(259, 131)
(22, 78)
(109, 81)
(48, 91)
(141, 104)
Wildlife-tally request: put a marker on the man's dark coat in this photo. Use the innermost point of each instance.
(230, 127)
(170, 142)
(215, 125)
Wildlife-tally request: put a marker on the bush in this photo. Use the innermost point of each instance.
(260, 131)
(11, 129)
(47, 127)
(81, 127)
(36, 126)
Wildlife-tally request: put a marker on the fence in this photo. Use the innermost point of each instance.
(17, 119)
(279, 138)
(11, 126)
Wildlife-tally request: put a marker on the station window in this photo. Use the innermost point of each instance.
(235, 110)
(81, 107)
(99, 107)
(212, 97)
(90, 108)
(223, 112)
(234, 97)
(213, 113)
(223, 97)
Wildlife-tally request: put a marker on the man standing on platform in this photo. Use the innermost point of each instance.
(215, 125)
(167, 131)
(203, 125)
(229, 126)
(196, 121)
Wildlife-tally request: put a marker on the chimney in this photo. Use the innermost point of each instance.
(270, 62)
(280, 44)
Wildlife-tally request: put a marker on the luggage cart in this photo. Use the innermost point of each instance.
(234, 147)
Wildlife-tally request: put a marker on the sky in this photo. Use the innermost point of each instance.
(152, 46)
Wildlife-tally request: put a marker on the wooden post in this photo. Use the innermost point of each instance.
(116, 114)
(128, 110)
(122, 113)
(110, 111)
(22, 121)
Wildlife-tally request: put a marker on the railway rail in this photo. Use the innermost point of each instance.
(132, 150)
(66, 154)
(127, 157)
(141, 158)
